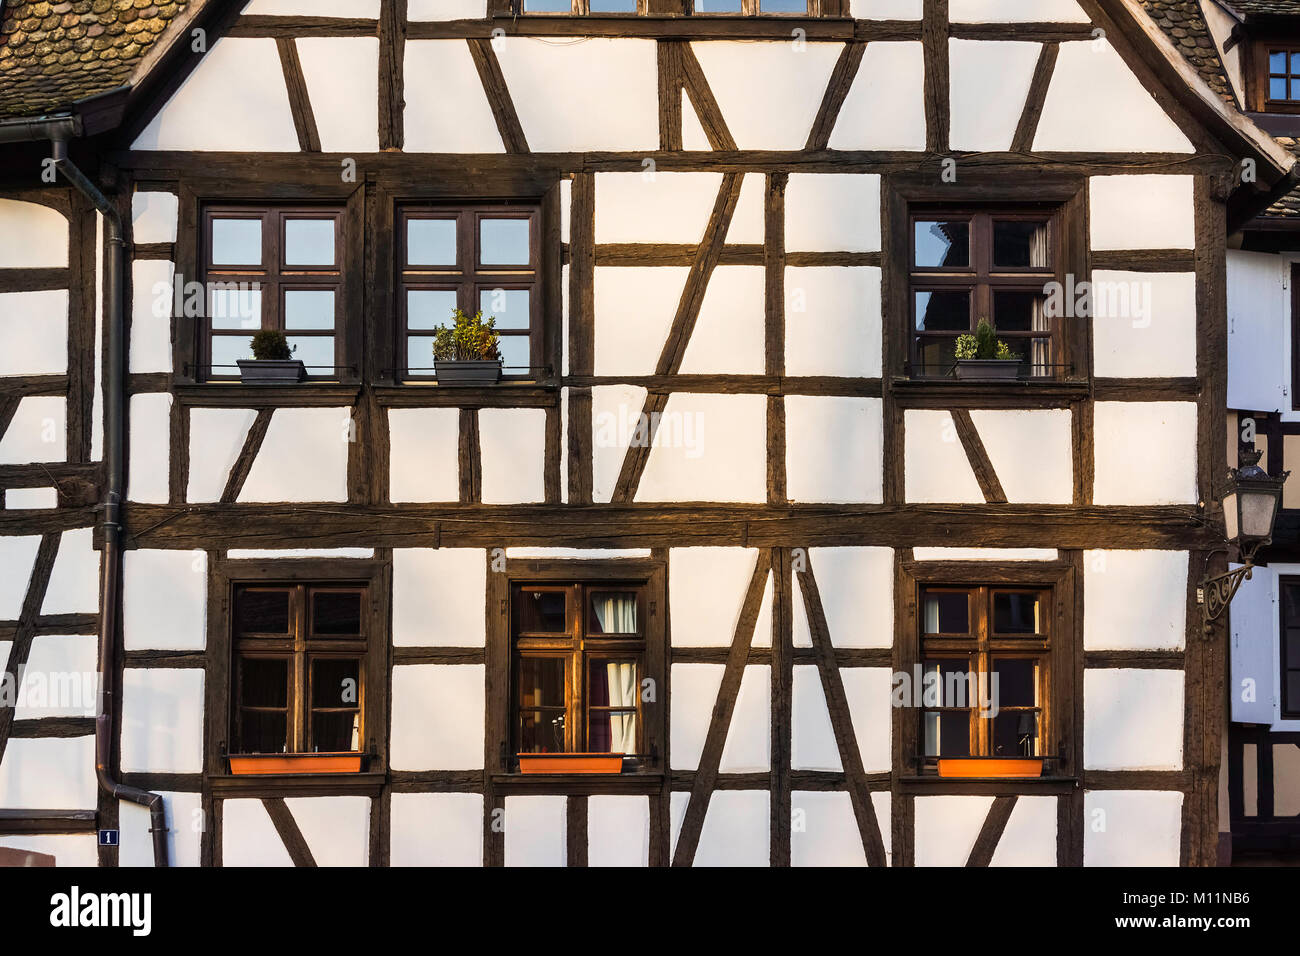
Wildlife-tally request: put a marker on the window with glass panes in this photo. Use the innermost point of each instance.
(272, 268)
(984, 658)
(1290, 648)
(298, 668)
(474, 259)
(1283, 77)
(967, 265)
(578, 657)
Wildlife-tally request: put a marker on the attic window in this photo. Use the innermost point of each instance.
(1273, 76)
(1284, 76)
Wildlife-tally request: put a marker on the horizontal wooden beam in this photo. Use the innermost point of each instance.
(14, 822)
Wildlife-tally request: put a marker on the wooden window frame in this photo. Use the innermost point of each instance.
(1060, 699)
(1295, 336)
(469, 278)
(1288, 709)
(1256, 71)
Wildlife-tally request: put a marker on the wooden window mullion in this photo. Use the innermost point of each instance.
(299, 701)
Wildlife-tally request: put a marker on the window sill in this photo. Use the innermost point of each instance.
(298, 784)
(934, 784)
(238, 395)
(511, 394)
(638, 782)
(953, 390)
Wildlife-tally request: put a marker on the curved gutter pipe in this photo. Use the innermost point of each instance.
(59, 130)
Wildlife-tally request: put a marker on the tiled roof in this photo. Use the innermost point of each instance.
(1264, 7)
(54, 53)
(1183, 23)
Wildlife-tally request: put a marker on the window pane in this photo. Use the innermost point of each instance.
(419, 354)
(943, 311)
(1295, 63)
(514, 354)
(946, 612)
(612, 612)
(717, 6)
(1291, 604)
(541, 732)
(1291, 650)
(541, 612)
(783, 6)
(263, 682)
(1016, 613)
(508, 306)
(541, 682)
(308, 309)
(947, 734)
(612, 684)
(548, 6)
(309, 242)
(1277, 62)
(1017, 682)
(232, 306)
(429, 308)
(336, 612)
(1019, 245)
(503, 242)
(315, 351)
(1015, 734)
(613, 6)
(263, 732)
(1277, 88)
(236, 242)
(335, 683)
(947, 684)
(227, 350)
(1295, 90)
(262, 612)
(936, 355)
(1293, 689)
(1018, 312)
(431, 242)
(942, 244)
(335, 732)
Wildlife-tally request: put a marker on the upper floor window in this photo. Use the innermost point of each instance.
(272, 268)
(1284, 75)
(477, 258)
(1271, 68)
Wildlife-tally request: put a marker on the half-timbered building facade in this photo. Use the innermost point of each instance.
(727, 513)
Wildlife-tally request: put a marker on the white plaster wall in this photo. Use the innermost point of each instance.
(32, 236)
(693, 135)
(248, 837)
(165, 597)
(885, 9)
(150, 443)
(708, 448)
(1131, 828)
(1014, 11)
(748, 222)
(74, 580)
(1032, 453)
(151, 315)
(1030, 835)
(885, 106)
(336, 829)
(365, 9)
(437, 717)
(162, 720)
(620, 112)
(735, 830)
(1156, 340)
(728, 338)
(748, 747)
(654, 206)
(989, 82)
(20, 499)
(183, 814)
(446, 9)
(769, 92)
(1141, 212)
(439, 597)
(512, 448)
(1096, 103)
(694, 692)
(857, 591)
(536, 831)
(59, 679)
(763, 625)
(304, 457)
(38, 432)
(1145, 453)
(813, 745)
(424, 463)
(832, 212)
(279, 554)
(216, 438)
(867, 690)
(615, 410)
(342, 76)
(1134, 600)
(17, 556)
(947, 827)
(1132, 719)
(834, 449)
(706, 588)
(49, 773)
(984, 554)
(239, 79)
(34, 332)
(935, 466)
(634, 308)
(618, 830)
(802, 635)
(154, 216)
(578, 554)
(827, 832)
(71, 850)
(436, 829)
(839, 304)
(447, 110)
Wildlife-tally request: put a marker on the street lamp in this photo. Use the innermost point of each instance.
(1250, 509)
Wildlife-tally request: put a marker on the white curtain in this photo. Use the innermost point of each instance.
(1040, 357)
(622, 693)
(616, 613)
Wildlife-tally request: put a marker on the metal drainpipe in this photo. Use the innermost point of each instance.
(59, 130)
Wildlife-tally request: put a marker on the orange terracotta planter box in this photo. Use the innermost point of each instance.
(991, 767)
(570, 763)
(296, 763)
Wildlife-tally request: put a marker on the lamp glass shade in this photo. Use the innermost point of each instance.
(1230, 518)
(1257, 510)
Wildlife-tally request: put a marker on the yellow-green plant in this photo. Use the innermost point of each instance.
(271, 344)
(469, 338)
(983, 344)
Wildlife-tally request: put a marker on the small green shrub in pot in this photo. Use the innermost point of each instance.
(466, 352)
(984, 354)
(272, 362)
(271, 345)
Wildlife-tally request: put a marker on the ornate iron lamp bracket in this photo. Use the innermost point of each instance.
(1218, 591)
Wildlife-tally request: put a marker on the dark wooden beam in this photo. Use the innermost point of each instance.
(498, 96)
(247, 455)
(392, 68)
(287, 827)
(837, 89)
(304, 120)
(991, 832)
(1027, 128)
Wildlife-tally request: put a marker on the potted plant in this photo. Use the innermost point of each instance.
(570, 763)
(272, 362)
(999, 767)
(985, 357)
(466, 352)
(241, 764)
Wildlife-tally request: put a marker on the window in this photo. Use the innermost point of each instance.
(299, 668)
(985, 654)
(475, 259)
(1290, 648)
(272, 268)
(579, 655)
(972, 264)
(1283, 76)
(1271, 68)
